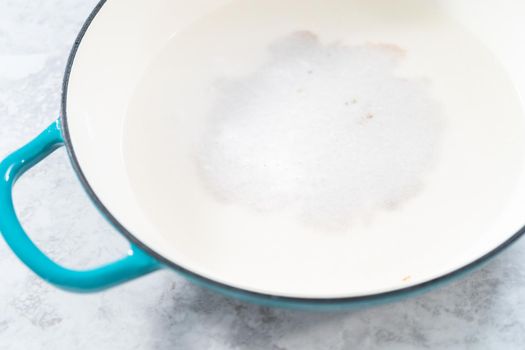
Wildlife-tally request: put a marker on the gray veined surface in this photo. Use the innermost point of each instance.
(486, 310)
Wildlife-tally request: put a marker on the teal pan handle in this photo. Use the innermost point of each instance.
(136, 263)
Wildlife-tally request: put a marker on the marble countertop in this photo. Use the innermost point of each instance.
(485, 310)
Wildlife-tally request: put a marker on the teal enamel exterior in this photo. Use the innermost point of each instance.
(142, 260)
(136, 263)
(335, 304)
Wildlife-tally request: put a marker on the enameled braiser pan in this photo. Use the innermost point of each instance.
(225, 249)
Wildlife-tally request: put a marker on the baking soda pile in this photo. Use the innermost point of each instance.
(326, 133)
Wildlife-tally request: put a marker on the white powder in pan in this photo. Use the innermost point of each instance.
(326, 133)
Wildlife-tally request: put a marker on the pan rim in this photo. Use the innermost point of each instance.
(241, 293)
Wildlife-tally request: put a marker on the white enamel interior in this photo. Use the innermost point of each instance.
(118, 46)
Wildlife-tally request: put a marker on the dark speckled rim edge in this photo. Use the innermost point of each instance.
(274, 300)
